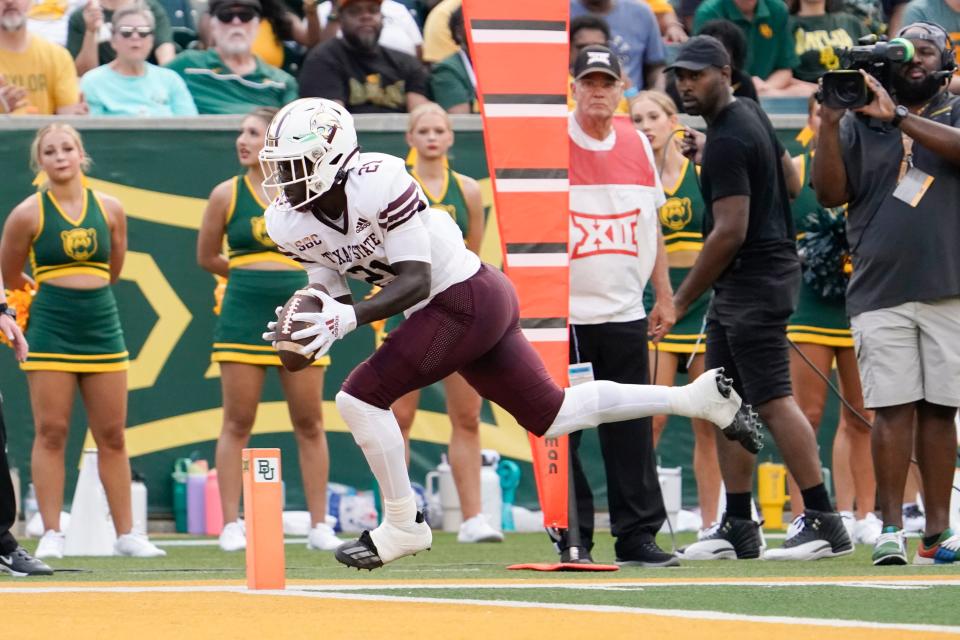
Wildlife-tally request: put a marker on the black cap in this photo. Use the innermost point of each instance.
(596, 58)
(700, 52)
(218, 4)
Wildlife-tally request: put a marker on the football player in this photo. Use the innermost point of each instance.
(342, 213)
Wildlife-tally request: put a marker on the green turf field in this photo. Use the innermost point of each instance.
(860, 591)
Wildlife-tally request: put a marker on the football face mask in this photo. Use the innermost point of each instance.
(310, 145)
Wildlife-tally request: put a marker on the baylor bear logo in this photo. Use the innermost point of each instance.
(259, 227)
(676, 213)
(79, 244)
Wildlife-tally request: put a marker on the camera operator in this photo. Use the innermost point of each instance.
(896, 161)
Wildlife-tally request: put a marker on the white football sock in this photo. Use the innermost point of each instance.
(602, 401)
(377, 434)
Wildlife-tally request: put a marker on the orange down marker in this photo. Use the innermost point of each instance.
(263, 513)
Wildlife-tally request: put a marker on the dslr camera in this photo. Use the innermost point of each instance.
(847, 88)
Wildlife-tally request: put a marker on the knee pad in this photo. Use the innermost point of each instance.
(580, 403)
(374, 430)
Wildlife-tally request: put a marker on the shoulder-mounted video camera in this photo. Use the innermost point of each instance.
(847, 88)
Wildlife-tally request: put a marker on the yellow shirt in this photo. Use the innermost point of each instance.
(266, 46)
(660, 6)
(46, 71)
(437, 41)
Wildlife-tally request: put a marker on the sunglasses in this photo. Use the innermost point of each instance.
(226, 16)
(128, 32)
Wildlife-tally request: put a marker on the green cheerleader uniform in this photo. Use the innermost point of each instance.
(816, 320)
(73, 330)
(681, 220)
(451, 200)
(251, 295)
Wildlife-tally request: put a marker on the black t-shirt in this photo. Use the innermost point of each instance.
(741, 82)
(365, 81)
(742, 158)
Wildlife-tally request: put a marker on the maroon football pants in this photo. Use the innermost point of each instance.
(472, 328)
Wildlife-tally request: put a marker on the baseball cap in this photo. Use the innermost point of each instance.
(700, 52)
(928, 31)
(596, 58)
(219, 4)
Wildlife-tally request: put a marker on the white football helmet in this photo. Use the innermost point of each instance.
(311, 140)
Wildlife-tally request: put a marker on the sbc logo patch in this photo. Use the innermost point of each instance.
(79, 244)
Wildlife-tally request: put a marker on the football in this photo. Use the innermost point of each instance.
(292, 353)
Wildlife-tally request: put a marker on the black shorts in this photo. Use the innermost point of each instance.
(747, 334)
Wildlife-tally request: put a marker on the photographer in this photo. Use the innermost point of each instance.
(896, 161)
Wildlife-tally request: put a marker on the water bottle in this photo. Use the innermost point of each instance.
(214, 518)
(179, 476)
(491, 495)
(30, 506)
(509, 472)
(138, 502)
(196, 498)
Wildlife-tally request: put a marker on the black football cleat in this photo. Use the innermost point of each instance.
(360, 553)
(745, 429)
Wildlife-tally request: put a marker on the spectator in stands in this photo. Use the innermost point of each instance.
(438, 43)
(360, 74)
(131, 86)
(49, 18)
(733, 41)
(820, 28)
(770, 49)
(88, 35)
(229, 78)
(868, 12)
(278, 24)
(945, 13)
(894, 10)
(585, 31)
(400, 30)
(42, 68)
(452, 81)
(635, 38)
(671, 28)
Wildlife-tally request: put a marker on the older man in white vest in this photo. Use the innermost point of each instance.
(615, 248)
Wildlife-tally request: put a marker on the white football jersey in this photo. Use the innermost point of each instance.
(388, 220)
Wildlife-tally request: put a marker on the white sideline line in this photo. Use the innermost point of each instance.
(881, 583)
(348, 592)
